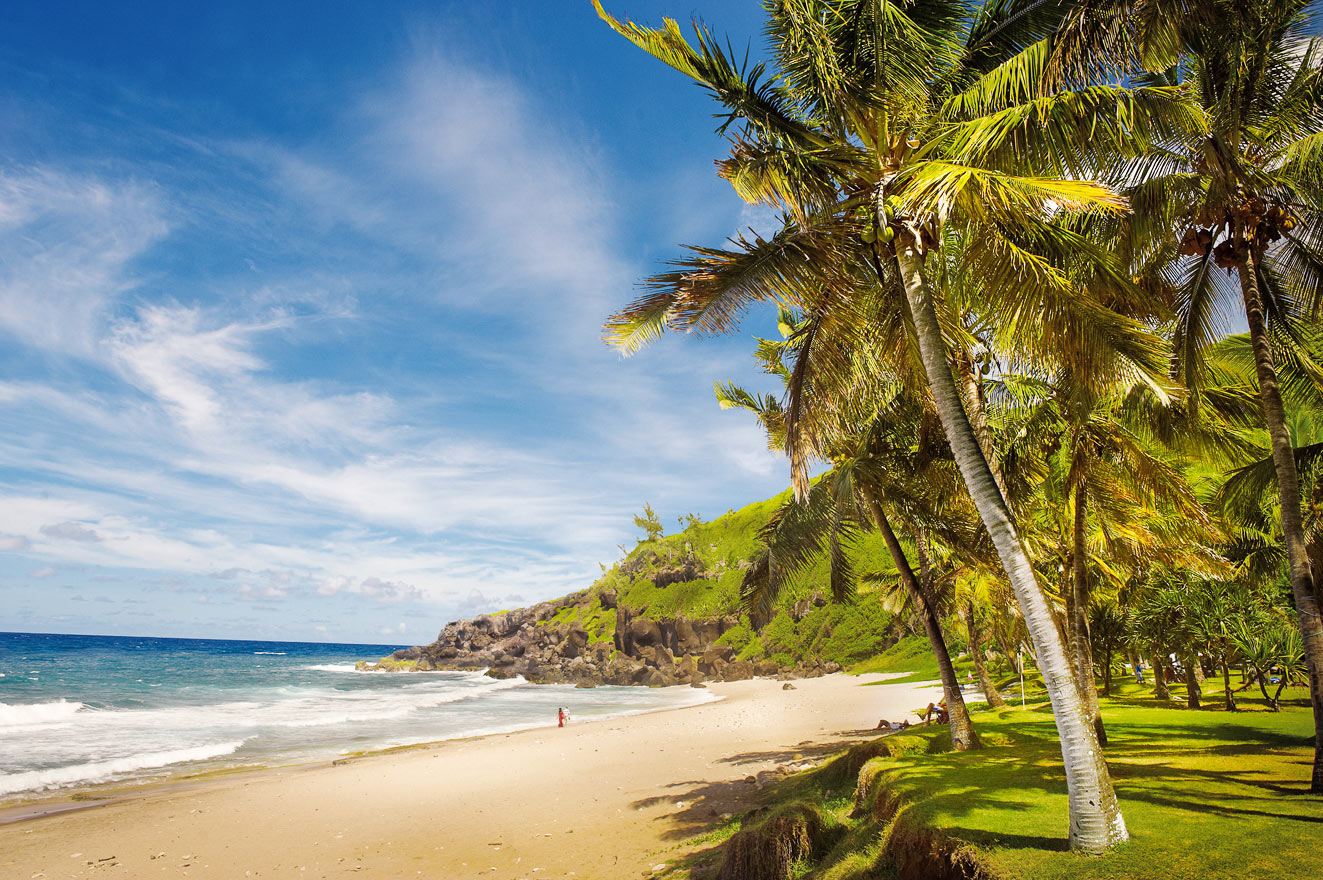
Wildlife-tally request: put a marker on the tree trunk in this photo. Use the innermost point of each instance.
(990, 691)
(1079, 629)
(1096, 823)
(1230, 701)
(971, 387)
(1288, 488)
(1160, 678)
(1192, 681)
(963, 736)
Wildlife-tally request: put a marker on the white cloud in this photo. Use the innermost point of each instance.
(67, 243)
(42, 573)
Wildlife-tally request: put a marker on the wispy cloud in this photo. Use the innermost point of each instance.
(386, 387)
(67, 244)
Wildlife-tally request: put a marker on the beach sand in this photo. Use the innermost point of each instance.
(608, 799)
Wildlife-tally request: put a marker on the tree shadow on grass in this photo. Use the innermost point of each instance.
(705, 802)
(1218, 807)
(1007, 840)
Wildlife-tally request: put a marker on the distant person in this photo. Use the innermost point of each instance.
(884, 724)
(935, 712)
(561, 717)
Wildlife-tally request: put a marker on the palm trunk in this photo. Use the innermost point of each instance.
(963, 736)
(990, 691)
(1160, 678)
(1079, 630)
(1230, 698)
(1192, 693)
(1288, 487)
(972, 388)
(1096, 823)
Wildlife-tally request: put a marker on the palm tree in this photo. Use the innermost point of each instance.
(1242, 201)
(841, 502)
(1104, 480)
(976, 594)
(887, 128)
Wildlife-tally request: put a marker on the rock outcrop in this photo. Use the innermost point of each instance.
(645, 650)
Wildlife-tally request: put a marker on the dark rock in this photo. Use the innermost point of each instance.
(608, 599)
(644, 632)
(767, 668)
(688, 569)
(738, 670)
(788, 687)
(686, 639)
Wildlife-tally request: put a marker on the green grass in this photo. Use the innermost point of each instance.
(1206, 794)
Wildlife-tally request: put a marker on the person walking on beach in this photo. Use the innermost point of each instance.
(560, 717)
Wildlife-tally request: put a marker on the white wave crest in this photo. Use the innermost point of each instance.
(25, 715)
(270, 653)
(104, 771)
(331, 667)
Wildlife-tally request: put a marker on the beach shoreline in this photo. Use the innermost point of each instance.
(608, 798)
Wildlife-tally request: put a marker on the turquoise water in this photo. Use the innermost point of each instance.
(77, 711)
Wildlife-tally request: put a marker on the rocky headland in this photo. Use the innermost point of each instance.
(549, 643)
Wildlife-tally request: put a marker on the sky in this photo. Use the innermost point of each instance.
(301, 307)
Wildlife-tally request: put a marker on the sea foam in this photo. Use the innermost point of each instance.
(106, 771)
(26, 715)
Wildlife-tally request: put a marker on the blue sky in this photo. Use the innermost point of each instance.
(301, 310)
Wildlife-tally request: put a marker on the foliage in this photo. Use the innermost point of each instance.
(651, 525)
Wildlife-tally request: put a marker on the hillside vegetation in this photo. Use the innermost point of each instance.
(717, 554)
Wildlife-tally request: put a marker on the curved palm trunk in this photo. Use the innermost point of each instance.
(1095, 816)
(1293, 532)
(1079, 628)
(963, 737)
(994, 697)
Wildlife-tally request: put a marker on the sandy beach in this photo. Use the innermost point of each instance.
(607, 799)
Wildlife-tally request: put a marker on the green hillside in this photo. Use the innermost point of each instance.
(719, 552)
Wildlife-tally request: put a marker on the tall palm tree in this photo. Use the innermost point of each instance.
(886, 127)
(1245, 203)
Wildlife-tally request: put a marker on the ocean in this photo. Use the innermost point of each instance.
(81, 711)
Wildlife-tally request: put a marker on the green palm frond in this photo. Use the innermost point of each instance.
(1071, 132)
(712, 288)
(947, 189)
(741, 88)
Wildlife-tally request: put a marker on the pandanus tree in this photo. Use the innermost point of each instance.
(885, 128)
(1241, 205)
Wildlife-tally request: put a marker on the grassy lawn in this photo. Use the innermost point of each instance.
(1206, 794)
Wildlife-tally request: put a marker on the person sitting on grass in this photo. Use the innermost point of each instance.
(935, 712)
